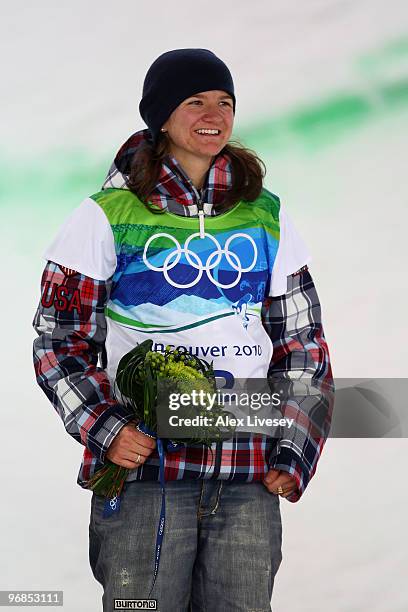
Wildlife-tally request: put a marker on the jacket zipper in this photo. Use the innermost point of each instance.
(218, 450)
(201, 218)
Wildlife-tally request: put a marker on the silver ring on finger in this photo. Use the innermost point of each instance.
(138, 458)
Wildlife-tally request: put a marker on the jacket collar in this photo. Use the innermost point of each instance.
(174, 189)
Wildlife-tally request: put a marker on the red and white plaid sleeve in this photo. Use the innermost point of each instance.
(71, 328)
(300, 353)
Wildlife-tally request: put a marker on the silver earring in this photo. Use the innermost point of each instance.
(162, 130)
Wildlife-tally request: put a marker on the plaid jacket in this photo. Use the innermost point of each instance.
(71, 329)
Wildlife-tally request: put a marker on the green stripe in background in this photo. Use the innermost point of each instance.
(379, 88)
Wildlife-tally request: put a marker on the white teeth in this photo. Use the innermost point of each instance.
(207, 131)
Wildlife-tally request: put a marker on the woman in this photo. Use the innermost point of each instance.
(185, 246)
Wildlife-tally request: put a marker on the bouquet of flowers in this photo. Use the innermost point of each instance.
(137, 379)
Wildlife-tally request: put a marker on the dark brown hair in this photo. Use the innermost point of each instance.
(248, 171)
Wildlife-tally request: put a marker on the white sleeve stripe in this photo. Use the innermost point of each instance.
(85, 242)
(292, 254)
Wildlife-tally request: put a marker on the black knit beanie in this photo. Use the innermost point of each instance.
(177, 75)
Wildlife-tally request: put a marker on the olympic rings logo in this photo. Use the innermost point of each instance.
(193, 259)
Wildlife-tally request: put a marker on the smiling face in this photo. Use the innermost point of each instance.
(206, 110)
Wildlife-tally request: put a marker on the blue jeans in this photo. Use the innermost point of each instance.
(221, 547)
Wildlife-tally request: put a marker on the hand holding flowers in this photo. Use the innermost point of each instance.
(137, 378)
(129, 445)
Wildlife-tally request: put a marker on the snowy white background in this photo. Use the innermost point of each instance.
(322, 96)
